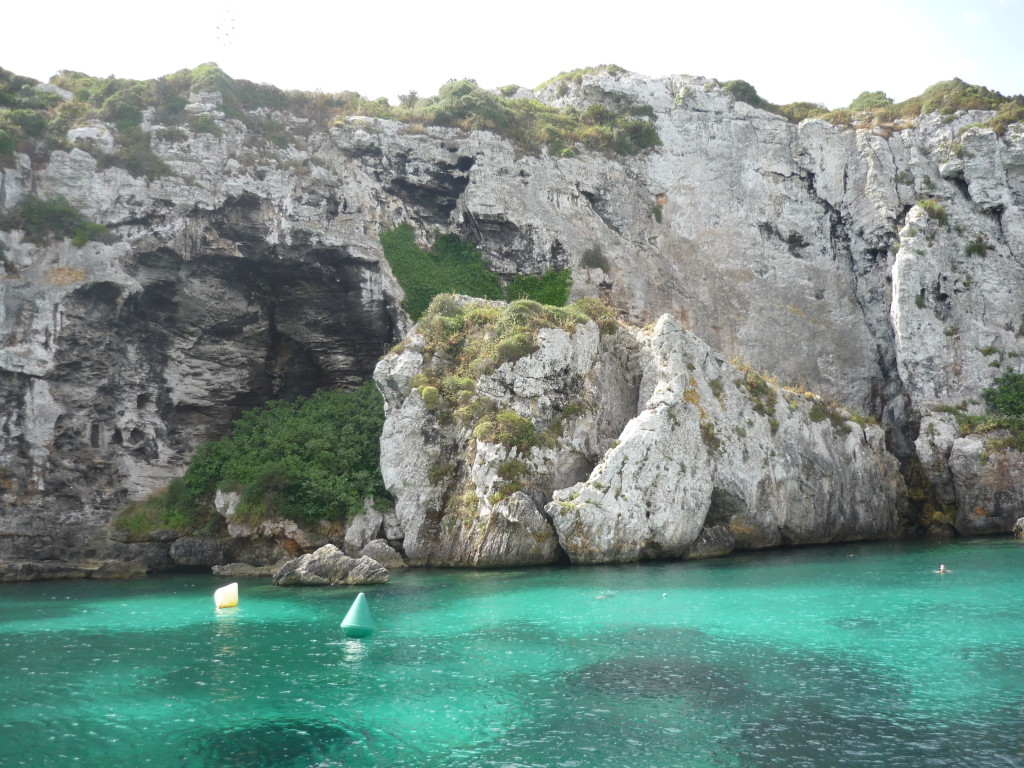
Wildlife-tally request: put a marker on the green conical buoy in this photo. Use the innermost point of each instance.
(358, 621)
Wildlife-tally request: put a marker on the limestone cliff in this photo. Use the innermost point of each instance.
(620, 445)
(880, 266)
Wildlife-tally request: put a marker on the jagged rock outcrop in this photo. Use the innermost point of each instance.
(976, 481)
(329, 566)
(253, 269)
(654, 448)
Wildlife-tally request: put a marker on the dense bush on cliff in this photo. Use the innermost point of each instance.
(42, 219)
(454, 266)
(309, 460)
(36, 122)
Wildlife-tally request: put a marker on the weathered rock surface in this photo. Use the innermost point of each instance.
(383, 553)
(199, 551)
(975, 482)
(330, 566)
(254, 270)
(247, 571)
(48, 570)
(669, 452)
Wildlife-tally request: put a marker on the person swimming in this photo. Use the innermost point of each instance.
(942, 569)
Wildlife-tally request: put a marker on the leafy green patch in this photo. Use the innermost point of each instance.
(172, 508)
(551, 288)
(42, 220)
(454, 266)
(935, 210)
(1006, 396)
(450, 266)
(762, 393)
(531, 124)
(465, 341)
(309, 460)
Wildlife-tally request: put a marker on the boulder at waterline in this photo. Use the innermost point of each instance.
(329, 566)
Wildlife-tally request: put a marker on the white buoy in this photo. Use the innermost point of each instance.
(226, 597)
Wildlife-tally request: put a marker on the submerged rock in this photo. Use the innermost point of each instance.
(247, 571)
(330, 566)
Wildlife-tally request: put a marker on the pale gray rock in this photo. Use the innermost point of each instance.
(274, 535)
(672, 456)
(254, 271)
(49, 570)
(1018, 528)
(705, 450)
(713, 541)
(363, 529)
(989, 485)
(383, 553)
(94, 135)
(452, 517)
(330, 566)
(45, 570)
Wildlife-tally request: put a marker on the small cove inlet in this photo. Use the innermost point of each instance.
(852, 655)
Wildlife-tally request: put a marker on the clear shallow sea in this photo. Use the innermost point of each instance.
(846, 656)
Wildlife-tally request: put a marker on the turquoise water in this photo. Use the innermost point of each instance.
(835, 656)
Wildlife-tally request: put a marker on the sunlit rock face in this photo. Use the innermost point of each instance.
(254, 270)
(661, 449)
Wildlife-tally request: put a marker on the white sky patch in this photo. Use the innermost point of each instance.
(797, 50)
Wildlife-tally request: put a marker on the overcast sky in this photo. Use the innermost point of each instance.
(803, 50)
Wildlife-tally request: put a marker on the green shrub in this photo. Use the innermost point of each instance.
(134, 152)
(798, 111)
(43, 219)
(977, 247)
(1006, 396)
(743, 91)
(516, 346)
(551, 288)
(935, 211)
(762, 393)
(454, 266)
(1008, 113)
(951, 96)
(870, 100)
(316, 458)
(710, 438)
(172, 508)
(450, 266)
(593, 257)
(509, 429)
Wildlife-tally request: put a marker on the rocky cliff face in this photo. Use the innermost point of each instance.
(655, 448)
(254, 270)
